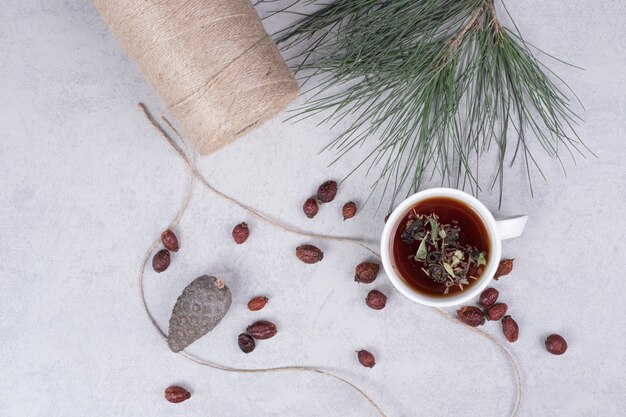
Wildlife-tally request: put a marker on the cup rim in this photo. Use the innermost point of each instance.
(396, 216)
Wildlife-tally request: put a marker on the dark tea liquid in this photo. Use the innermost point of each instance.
(472, 232)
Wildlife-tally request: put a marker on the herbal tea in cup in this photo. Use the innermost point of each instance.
(442, 246)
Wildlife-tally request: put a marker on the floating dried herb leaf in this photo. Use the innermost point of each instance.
(414, 231)
(434, 228)
(421, 251)
(457, 257)
(444, 260)
(481, 259)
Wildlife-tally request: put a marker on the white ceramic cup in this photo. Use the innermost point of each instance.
(498, 230)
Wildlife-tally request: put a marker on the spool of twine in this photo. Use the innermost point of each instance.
(217, 71)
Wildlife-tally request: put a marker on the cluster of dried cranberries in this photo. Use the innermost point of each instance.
(493, 311)
(161, 259)
(365, 272)
(325, 194)
(259, 330)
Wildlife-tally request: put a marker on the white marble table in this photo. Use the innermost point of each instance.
(86, 185)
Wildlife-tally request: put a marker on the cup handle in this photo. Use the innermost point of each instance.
(510, 227)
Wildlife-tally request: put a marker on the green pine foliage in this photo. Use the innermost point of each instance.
(438, 82)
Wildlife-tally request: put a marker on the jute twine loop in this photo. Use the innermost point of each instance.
(211, 62)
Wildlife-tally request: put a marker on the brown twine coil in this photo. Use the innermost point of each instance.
(211, 62)
(186, 156)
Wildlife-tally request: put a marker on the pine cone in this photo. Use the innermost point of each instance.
(201, 306)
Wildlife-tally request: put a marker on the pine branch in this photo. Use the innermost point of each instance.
(438, 82)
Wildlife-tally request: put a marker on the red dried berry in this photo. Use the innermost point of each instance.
(241, 233)
(556, 345)
(488, 297)
(510, 329)
(170, 241)
(387, 217)
(257, 303)
(262, 329)
(309, 254)
(327, 191)
(472, 316)
(496, 311)
(161, 260)
(376, 300)
(246, 343)
(176, 394)
(504, 268)
(311, 207)
(348, 211)
(366, 272)
(366, 358)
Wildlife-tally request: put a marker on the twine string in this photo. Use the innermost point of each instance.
(256, 213)
(185, 155)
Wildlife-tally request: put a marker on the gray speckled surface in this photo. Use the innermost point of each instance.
(86, 185)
